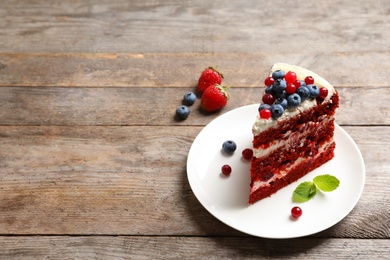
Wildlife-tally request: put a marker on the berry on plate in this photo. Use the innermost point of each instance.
(214, 98)
(209, 77)
(229, 146)
(226, 170)
(247, 154)
(296, 212)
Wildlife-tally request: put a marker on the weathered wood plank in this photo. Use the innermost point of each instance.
(157, 106)
(194, 26)
(144, 247)
(342, 69)
(109, 180)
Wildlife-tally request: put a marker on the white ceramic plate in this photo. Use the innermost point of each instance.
(227, 197)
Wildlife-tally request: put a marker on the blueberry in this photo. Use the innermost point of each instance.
(282, 101)
(303, 92)
(279, 85)
(263, 106)
(282, 94)
(314, 90)
(189, 98)
(269, 90)
(182, 112)
(229, 146)
(277, 111)
(278, 74)
(303, 83)
(294, 100)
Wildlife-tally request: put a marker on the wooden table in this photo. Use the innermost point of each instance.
(92, 161)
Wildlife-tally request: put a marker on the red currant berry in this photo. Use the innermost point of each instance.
(290, 77)
(269, 81)
(296, 212)
(309, 80)
(291, 88)
(323, 93)
(247, 153)
(297, 83)
(226, 170)
(265, 113)
(268, 99)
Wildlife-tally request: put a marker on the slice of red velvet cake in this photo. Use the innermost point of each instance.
(293, 133)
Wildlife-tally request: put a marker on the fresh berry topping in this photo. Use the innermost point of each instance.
(291, 88)
(209, 77)
(263, 106)
(294, 100)
(229, 146)
(268, 98)
(269, 90)
(279, 85)
(290, 77)
(278, 74)
(226, 170)
(282, 94)
(247, 154)
(189, 98)
(296, 212)
(314, 90)
(323, 92)
(182, 112)
(303, 92)
(309, 80)
(269, 81)
(282, 101)
(277, 111)
(297, 83)
(214, 98)
(266, 113)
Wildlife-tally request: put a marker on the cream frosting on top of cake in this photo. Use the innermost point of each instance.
(263, 124)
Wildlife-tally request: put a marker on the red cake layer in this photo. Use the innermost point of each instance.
(307, 143)
(314, 114)
(298, 171)
(265, 167)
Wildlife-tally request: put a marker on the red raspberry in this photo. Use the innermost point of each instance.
(268, 99)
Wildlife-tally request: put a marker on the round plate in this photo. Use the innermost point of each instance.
(227, 197)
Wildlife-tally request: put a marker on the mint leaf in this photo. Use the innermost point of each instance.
(326, 182)
(304, 192)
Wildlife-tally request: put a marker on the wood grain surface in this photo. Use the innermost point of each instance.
(92, 159)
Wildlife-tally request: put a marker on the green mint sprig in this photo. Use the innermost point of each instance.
(307, 190)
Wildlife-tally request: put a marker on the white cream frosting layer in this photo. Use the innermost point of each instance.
(263, 124)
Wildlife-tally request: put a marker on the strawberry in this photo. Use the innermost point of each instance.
(209, 76)
(214, 98)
